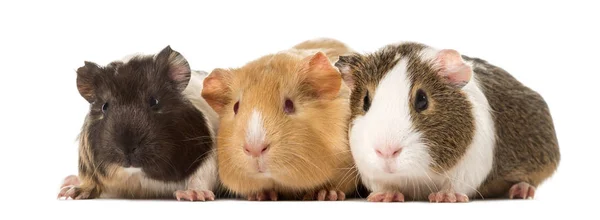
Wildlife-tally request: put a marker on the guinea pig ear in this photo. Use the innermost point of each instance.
(322, 76)
(85, 80)
(344, 65)
(453, 68)
(216, 89)
(178, 68)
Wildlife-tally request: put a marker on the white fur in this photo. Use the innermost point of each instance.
(132, 170)
(477, 162)
(388, 122)
(137, 176)
(255, 133)
(204, 179)
(193, 92)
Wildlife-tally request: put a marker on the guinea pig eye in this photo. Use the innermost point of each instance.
(366, 102)
(235, 107)
(153, 101)
(288, 107)
(421, 102)
(105, 107)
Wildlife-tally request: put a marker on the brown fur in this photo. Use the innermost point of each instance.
(526, 144)
(527, 147)
(309, 149)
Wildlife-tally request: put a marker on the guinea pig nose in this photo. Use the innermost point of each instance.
(388, 151)
(255, 150)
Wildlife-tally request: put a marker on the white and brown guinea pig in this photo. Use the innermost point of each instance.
(283, 125)
(432, 124)
(148, 133)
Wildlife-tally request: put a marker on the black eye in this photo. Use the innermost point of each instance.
(366, 102)
(153, 101)
(105, 107)
(421, 102)
(235, 107)
(288, 107)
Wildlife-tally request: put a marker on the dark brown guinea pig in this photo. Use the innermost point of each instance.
(148, 133)
(432, 124)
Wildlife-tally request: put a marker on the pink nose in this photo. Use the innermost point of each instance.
(388, 151)
(255, 150)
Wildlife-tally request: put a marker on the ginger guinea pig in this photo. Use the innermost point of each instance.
(283, 125)
(431, 124)
(148, 133)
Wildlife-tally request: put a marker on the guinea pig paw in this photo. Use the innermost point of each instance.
(263, 196)
(385, 197)
(326, 195)
(73, 192)
(194, 195)
(448, 197)
(71, 180)
(521, 190)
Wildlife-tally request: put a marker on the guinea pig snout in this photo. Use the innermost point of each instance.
(388, 151)
(132, 158)
(130, 146)
(256, 150)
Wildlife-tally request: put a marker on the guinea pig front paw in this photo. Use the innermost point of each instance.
(194, 195)
(263, 196)
(448, 197)
(521, 190)
(385, 197)
(71, 180)
(74, 192)
(326, 195)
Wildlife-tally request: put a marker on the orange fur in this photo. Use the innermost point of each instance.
(308, 149)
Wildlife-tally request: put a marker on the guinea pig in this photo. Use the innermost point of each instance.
(148, 132)
(432, 124)
(283, 125)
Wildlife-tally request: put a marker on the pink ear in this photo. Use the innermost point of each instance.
(343, 66)
(453, 68)
(319, 61)
(216, 90)
(178, 67)
(323, 77)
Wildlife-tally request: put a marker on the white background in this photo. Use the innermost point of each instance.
(550, 46)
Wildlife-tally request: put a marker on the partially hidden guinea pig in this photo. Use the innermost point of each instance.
(283, 125)
(432, 124)
(148, 133)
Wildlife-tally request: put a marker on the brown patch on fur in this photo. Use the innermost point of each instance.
(447, 124)
(308, 149)
(527, 147)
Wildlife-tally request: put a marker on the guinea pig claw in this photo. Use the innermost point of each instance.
(194, 195)
(448, 197)
(385, 197)
(521, 190)
(71, 180)
(326, 195)
(73, 192)
(69, 183)
(263, 196)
